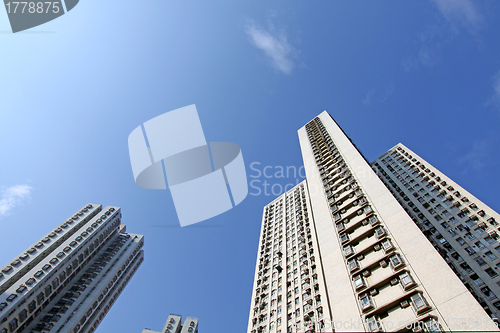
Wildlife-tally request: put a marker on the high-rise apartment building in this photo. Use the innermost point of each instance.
(461, 227)
(69, 279)
(371, 266)
(174, 325)
(289, 288)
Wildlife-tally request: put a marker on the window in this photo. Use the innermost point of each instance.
(396, 261)
(406, 280)
(479, 245)
(348, 250)
(13, 325)
(387, 245)
(32, 306)
(490, 255)
(479, 231)
(469, 235)
(480, 261)
(23, 315)
(470, 250)
(21, 288)
(40, 298)
(477, 280)
(419, 302)
(359, 282)
(353, 265)
(373, 324)
(491, 272)
(489, 240)
(365, 302)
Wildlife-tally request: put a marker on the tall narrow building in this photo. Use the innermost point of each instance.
(462, 228)
(289, 289)
(69, 279)
(371, 268)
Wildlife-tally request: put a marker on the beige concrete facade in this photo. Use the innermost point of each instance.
(461, 228)
(289, 292)
(375, 270)
(379, 267)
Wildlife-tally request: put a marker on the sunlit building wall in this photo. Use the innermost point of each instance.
(70, 278)
(461, 227)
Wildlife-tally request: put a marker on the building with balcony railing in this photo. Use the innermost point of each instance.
(70, 278)
(370, 267)
(288, 286)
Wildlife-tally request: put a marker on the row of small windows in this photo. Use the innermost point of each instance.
(471, 221)
(74, 267)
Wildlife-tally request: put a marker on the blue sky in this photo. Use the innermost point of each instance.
(424, 73)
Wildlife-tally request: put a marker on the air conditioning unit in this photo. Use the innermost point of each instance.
(383, 263)
(374, 292)
(404, 304)
(394, 281)
(366, 273)
(376, 247)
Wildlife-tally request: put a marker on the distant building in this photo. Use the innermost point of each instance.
(174, 325)
(69, 279)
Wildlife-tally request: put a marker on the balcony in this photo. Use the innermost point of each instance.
(360, 232)
(365, 244)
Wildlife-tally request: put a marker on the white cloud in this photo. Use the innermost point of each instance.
(496, 87)
(476, 158)
(460, 12)
(12, 197)
(495, 99)
(274, 45)
(369, 97)
(379, 95)
(441, 32)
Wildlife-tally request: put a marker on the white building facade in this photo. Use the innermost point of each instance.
(462, 228)
(289, 290)
(371, 266)
(69, 279)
